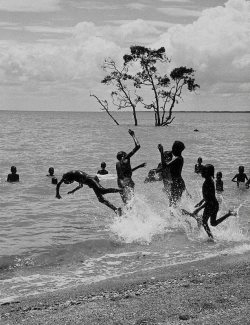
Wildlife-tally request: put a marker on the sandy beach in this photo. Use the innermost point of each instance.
(211, 291)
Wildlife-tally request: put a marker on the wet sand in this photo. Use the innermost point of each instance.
(211, 291)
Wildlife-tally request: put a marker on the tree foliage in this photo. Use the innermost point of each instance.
(140, 80)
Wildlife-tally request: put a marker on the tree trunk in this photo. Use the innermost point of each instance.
(105, 108)
(135, 117)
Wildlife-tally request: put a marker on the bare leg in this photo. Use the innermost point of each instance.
(103, 190)
(205, 218)
(215, 222)
(207, 229)
(106, 202)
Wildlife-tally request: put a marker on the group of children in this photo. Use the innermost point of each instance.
(169, 171)
(239, 178)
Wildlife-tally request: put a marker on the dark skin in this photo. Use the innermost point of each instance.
(13, 177)
(103, 171)
(219, 184)
(198, 166)
(51, 172)
(175, 168)
(240, 178)
(210, 205)
(92, 182)
(125, 171)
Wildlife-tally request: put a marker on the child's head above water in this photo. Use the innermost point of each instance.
(13, 169)
(103, 165)
(51, 171)
(199, 160)
(241, 169)
(219, 175)
(208, 171)
(177, 148)
(120, 155)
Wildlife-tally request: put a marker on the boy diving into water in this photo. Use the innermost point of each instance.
(92, 182)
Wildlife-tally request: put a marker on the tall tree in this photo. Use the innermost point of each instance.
(140, 80)
(166, 89)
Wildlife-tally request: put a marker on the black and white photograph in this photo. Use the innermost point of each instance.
(125, 162)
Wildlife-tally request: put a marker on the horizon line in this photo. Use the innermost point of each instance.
(102, 111)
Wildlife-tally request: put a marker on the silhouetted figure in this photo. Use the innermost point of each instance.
(51, 174)
(164, 170)
(92, 182)
(177, 185)
(219, 182)
(198, 167)
(124, 170)
(209, 202)
(241, 177)
(13, 177)
(103, 171)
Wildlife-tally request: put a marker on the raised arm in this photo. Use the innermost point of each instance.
(163, 162)
(137, 145)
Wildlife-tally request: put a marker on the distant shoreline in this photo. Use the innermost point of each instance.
(198, 112)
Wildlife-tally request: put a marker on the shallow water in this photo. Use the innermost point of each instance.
(46, 244)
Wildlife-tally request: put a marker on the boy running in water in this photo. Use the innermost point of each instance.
(92, 182)
(209, 202)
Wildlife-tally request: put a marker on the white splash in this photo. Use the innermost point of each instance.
(138, 223)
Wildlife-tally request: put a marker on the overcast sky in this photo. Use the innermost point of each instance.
(51, 51)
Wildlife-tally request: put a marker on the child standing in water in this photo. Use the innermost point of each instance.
(209, 202)
(241, 177)
(103, 170)
(219, 182)
(51, 174)
(177, 186)
(165, 171)
(13, 177)
(198, 167)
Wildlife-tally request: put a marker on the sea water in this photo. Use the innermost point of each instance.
(48, 244)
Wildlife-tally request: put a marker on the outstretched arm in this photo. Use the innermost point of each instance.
(57, 189)
(137, 145)
(139, 166)
(76, 189)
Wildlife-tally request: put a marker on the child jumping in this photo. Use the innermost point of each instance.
(91, 181)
